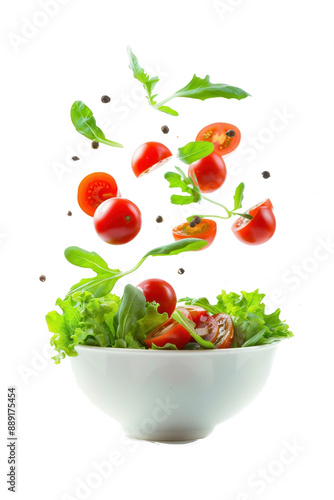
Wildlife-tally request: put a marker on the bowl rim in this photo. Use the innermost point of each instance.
(218, 352)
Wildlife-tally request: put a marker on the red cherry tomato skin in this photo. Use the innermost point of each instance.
(205, 230)
(169, 332)
(117, 221)
(210, 172)
(197, 314)
(258, 230)
(225, 336)
(215, 133)
(211, 325)
(161, 292)
(94, 189)
(149, 156)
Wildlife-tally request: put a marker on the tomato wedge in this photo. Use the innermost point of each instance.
(169, 332)
(259, 229)
(94, 189)
(205, 230)
(149, 156)
(210, 172)
(197, 314)
(225, 137)
(208, 329)
(225, 335)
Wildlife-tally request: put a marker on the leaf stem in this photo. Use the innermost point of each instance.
(161, 103)
(229, 213)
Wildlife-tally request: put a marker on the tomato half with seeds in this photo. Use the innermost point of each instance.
(156, 290)
(169, 332)
(260, 228)
(94, 189)
(208, 329)
(225, 335)
(205, 230)
(209, 171)
(225, 137)
(197, 314)
(149, 156)
(117, 221)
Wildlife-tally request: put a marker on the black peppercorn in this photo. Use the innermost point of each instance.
(75, 158)
(181, 270)
(105, 99)
(165, 129)
(42, 278)
(266, 174)
(230, 133)
(159, 219)
(95, 145)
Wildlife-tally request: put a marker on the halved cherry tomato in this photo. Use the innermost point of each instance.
(94, 189)
(210, 172)
(216, 133)
(161, 292)
(205, 230)
(197, 314)
(117, 221)
(259, 229)
(208, 329)
(169, 332)
(149, 156)
(225, 331)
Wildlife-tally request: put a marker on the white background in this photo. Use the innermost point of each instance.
(281, 53)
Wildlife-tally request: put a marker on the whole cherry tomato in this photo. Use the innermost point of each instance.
(156, 290)
(210, 172)
(117, 221)
(260, 228)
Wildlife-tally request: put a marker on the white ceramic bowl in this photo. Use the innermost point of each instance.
(168, 395)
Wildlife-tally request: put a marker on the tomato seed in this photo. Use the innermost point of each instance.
(42, 278)
(105, 99)
(181, 270)
(159, 218)
(95, 145)
(230, 133)
(266, 174)
(69, 213)
(165, 129)
(75, 158)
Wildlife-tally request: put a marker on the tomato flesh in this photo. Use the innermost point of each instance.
(197, 314)
(259, 229)
(117, 221)
(225, 335)
(205, 230)
(149, 156)
(94, 189)
(156, 290)
(216, 133)
(208, 329)
(169, 332)
(209, 171)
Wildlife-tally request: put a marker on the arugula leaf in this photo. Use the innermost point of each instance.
(186, 184)
(238, 196)
(190, 326)
(85, 123)
(194, 151)
(166, 347)
(105, 279)
(131, 310)
(199, 88)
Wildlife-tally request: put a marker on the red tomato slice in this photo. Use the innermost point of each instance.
(208, 329)
(169, 332)
(149, 156)
(225, 331)
(156, 290)
(197, 314)
(94, 189)
(210, 172)
(259, 229)
(216, 133)
(117, 221)
(205, 230)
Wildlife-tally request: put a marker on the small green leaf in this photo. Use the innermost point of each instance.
(190, 326)
(194, 151)
(186, 185)
(85, 123)
(168, 110)
(82, 258)
(180, 246)
(142, 77)
(131, 310)
(166, 347)
(199, 88)
(239, 196)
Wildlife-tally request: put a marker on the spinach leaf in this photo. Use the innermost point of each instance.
(85, 123)
(131, 310)
(194, 151)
